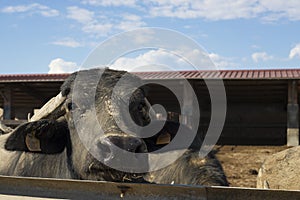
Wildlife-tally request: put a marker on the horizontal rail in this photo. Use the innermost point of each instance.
(44, 188)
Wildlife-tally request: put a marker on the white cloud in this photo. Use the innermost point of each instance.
(130, 21)
(222, 62)
(101, 25)
(281, 9)
(110, 2)
(33, 8)
(153, 60)
(143, 36)
(161, 60)
(58, 65)
(67, 42)
(80, 15)
(212, 9)
(295, 52)
(208, 9)
(97, 29)
(261, 56)
(88, 21)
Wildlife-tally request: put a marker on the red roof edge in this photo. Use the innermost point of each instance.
(32, 77)
(188, 74)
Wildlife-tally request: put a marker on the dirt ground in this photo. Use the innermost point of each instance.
(241, 163)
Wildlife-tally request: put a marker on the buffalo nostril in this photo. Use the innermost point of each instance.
(127, 143)
(140, 148)
(133, 144)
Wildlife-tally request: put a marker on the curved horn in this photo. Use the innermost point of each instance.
(48, 108)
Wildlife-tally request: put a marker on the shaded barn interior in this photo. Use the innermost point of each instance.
(256, 110)
(262, 106)
(21, 94)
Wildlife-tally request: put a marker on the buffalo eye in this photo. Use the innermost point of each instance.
(140, 107)
(71, 106)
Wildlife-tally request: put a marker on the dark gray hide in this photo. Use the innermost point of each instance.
(189, 168)
(44, 156)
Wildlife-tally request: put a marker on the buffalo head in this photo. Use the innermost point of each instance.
(98, 124)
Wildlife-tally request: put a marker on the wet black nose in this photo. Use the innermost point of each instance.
(132, 144)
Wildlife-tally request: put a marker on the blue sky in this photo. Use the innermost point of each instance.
(56, 36)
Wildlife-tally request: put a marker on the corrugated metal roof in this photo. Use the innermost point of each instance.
(32, 77)
(222, 74)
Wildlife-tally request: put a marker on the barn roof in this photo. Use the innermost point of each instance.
(224, 74)
(207, 74)
(32, 77)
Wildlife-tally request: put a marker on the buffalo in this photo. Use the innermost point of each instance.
(53, 146)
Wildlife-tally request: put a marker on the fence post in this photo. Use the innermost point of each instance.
(292, 114)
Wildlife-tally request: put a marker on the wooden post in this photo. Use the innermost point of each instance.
(292, 114)
(7, 106)
(187, 106)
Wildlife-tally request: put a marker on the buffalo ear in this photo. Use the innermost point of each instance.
(54, 138)
(43, 136)
(16, 140)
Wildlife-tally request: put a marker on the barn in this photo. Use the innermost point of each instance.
(262, 105)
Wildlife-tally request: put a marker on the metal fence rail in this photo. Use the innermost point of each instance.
(40, 188)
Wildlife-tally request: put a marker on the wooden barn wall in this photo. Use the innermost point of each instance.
(256, 110)
(28, 96)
